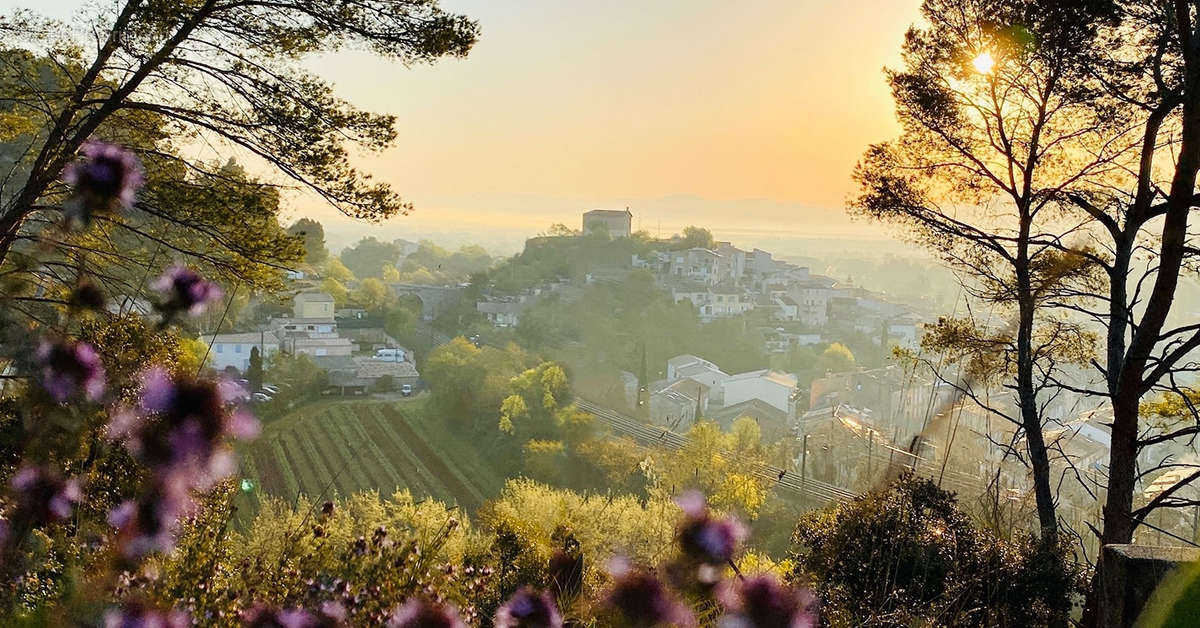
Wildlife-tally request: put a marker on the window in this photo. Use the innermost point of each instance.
(220, 348)
(237, 348)
(321, 352)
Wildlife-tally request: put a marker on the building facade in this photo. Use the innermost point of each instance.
(617, 223)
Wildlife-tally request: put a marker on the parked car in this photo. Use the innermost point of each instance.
(390, 355)
(406, 390)
(261, 396)
(269, 389)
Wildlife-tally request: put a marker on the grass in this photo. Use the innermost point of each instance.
(348, 446)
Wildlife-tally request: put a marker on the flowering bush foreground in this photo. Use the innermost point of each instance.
(117, 508)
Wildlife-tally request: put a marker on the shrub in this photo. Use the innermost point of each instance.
(909, 555)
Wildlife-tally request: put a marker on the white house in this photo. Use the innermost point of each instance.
(732, 263)
(315, 327)
(688, 362)
(726, 301)
(697, 264)
(318, 346)
(233, 350)
(789, 310)
(505, 313)
(769, 386)
(813, 296)
(675, 405)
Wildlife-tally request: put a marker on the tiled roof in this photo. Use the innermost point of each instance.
(314, 297)
(245, 338)
(374, 369)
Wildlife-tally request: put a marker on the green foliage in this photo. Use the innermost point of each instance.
(335, 289)
(697, 237)
(710, 464)
(605, 526)
(431, 264)
(372, 295)
(1171, 411)
(551, 258)
(300, 379)
(468, 383)
(836, 358)
(545, 459)
(908, 555)
(368, 257)
(611, 464)
(336, 270)
(747, 435)
(535, 398)
(605, 327)
(254, 370)
(392, 548)
(312, 233)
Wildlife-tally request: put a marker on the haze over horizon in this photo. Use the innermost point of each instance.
(743, 119)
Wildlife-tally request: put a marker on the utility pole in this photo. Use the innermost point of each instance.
(804, 466)
(870, 451)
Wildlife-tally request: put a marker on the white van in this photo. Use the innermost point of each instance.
(390, 355)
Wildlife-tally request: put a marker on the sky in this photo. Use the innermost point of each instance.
(746, 117)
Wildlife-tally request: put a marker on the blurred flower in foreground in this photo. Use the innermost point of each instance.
(69, 368)
(147, 525)
(88, 296)
(181, 426)
(417, 613)
(705, 539)
(180, 429)
(186, 291)
(135, 614)
(529, 609)
(263, 616)
(44, 496)
(105, 179)
(763, 602)
(644, 600)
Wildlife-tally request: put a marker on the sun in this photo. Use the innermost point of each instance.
(984, 63)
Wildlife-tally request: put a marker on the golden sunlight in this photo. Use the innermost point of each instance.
(984, 63)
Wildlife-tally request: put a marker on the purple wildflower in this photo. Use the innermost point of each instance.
(186, 291)
(263, 616)
(705, 539)
(148, 525)
(44, 496)
(69, 368)
(179, 430)
(135, 614)
(762, 602)
(191, 419)
(418, 613)
(529, 609)
(104, 180)
(644, 600)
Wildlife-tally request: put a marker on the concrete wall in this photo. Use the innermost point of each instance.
(1131, 573)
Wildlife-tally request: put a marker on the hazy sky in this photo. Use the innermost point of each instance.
(743, 116)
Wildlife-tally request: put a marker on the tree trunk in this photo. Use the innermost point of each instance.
(1031, 419)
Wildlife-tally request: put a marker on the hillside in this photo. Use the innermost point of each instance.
(342, 447)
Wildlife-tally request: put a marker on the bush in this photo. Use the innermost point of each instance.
(909, 555)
